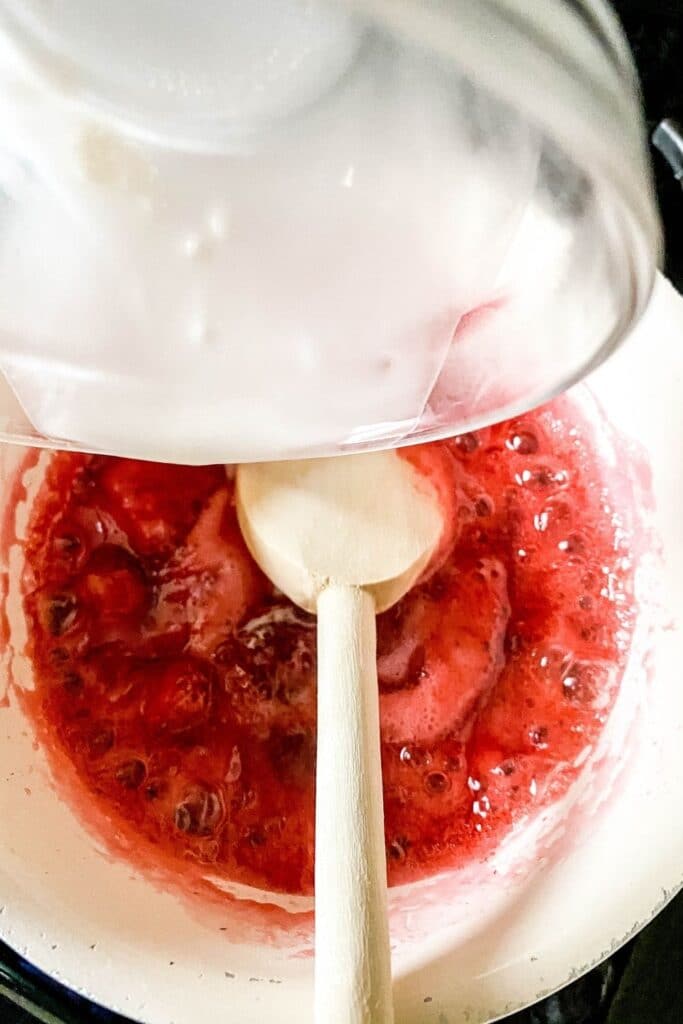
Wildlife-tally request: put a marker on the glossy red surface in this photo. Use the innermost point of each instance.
(182, 687)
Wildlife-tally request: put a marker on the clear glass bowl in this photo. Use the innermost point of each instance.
(395, 221)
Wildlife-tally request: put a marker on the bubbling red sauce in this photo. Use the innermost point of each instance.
(181, 686)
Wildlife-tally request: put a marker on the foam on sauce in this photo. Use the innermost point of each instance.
(181, 686)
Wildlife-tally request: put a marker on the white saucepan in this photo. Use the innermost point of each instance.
(467, 947)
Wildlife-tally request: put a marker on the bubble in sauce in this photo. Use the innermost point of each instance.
(524, 442)
(574, 545)
(68, 548)
(131, 774)
(542, 478)
(554, 662)
(541, 521)
(539, 737)
(481, 806)
(436, 783)
(586, 680)
(200, 812)
(59, 612)
(483, 507)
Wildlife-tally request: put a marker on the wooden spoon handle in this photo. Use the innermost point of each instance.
(352, 954)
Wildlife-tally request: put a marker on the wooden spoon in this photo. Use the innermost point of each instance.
(345, 538)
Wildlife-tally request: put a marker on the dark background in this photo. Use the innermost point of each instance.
(642, 983)
(655, 31)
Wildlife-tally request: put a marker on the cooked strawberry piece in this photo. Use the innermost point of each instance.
(179, 693)
(461, 636)
(156, 504)
(113, 584)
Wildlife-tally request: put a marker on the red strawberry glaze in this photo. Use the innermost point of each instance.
(182, 687)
